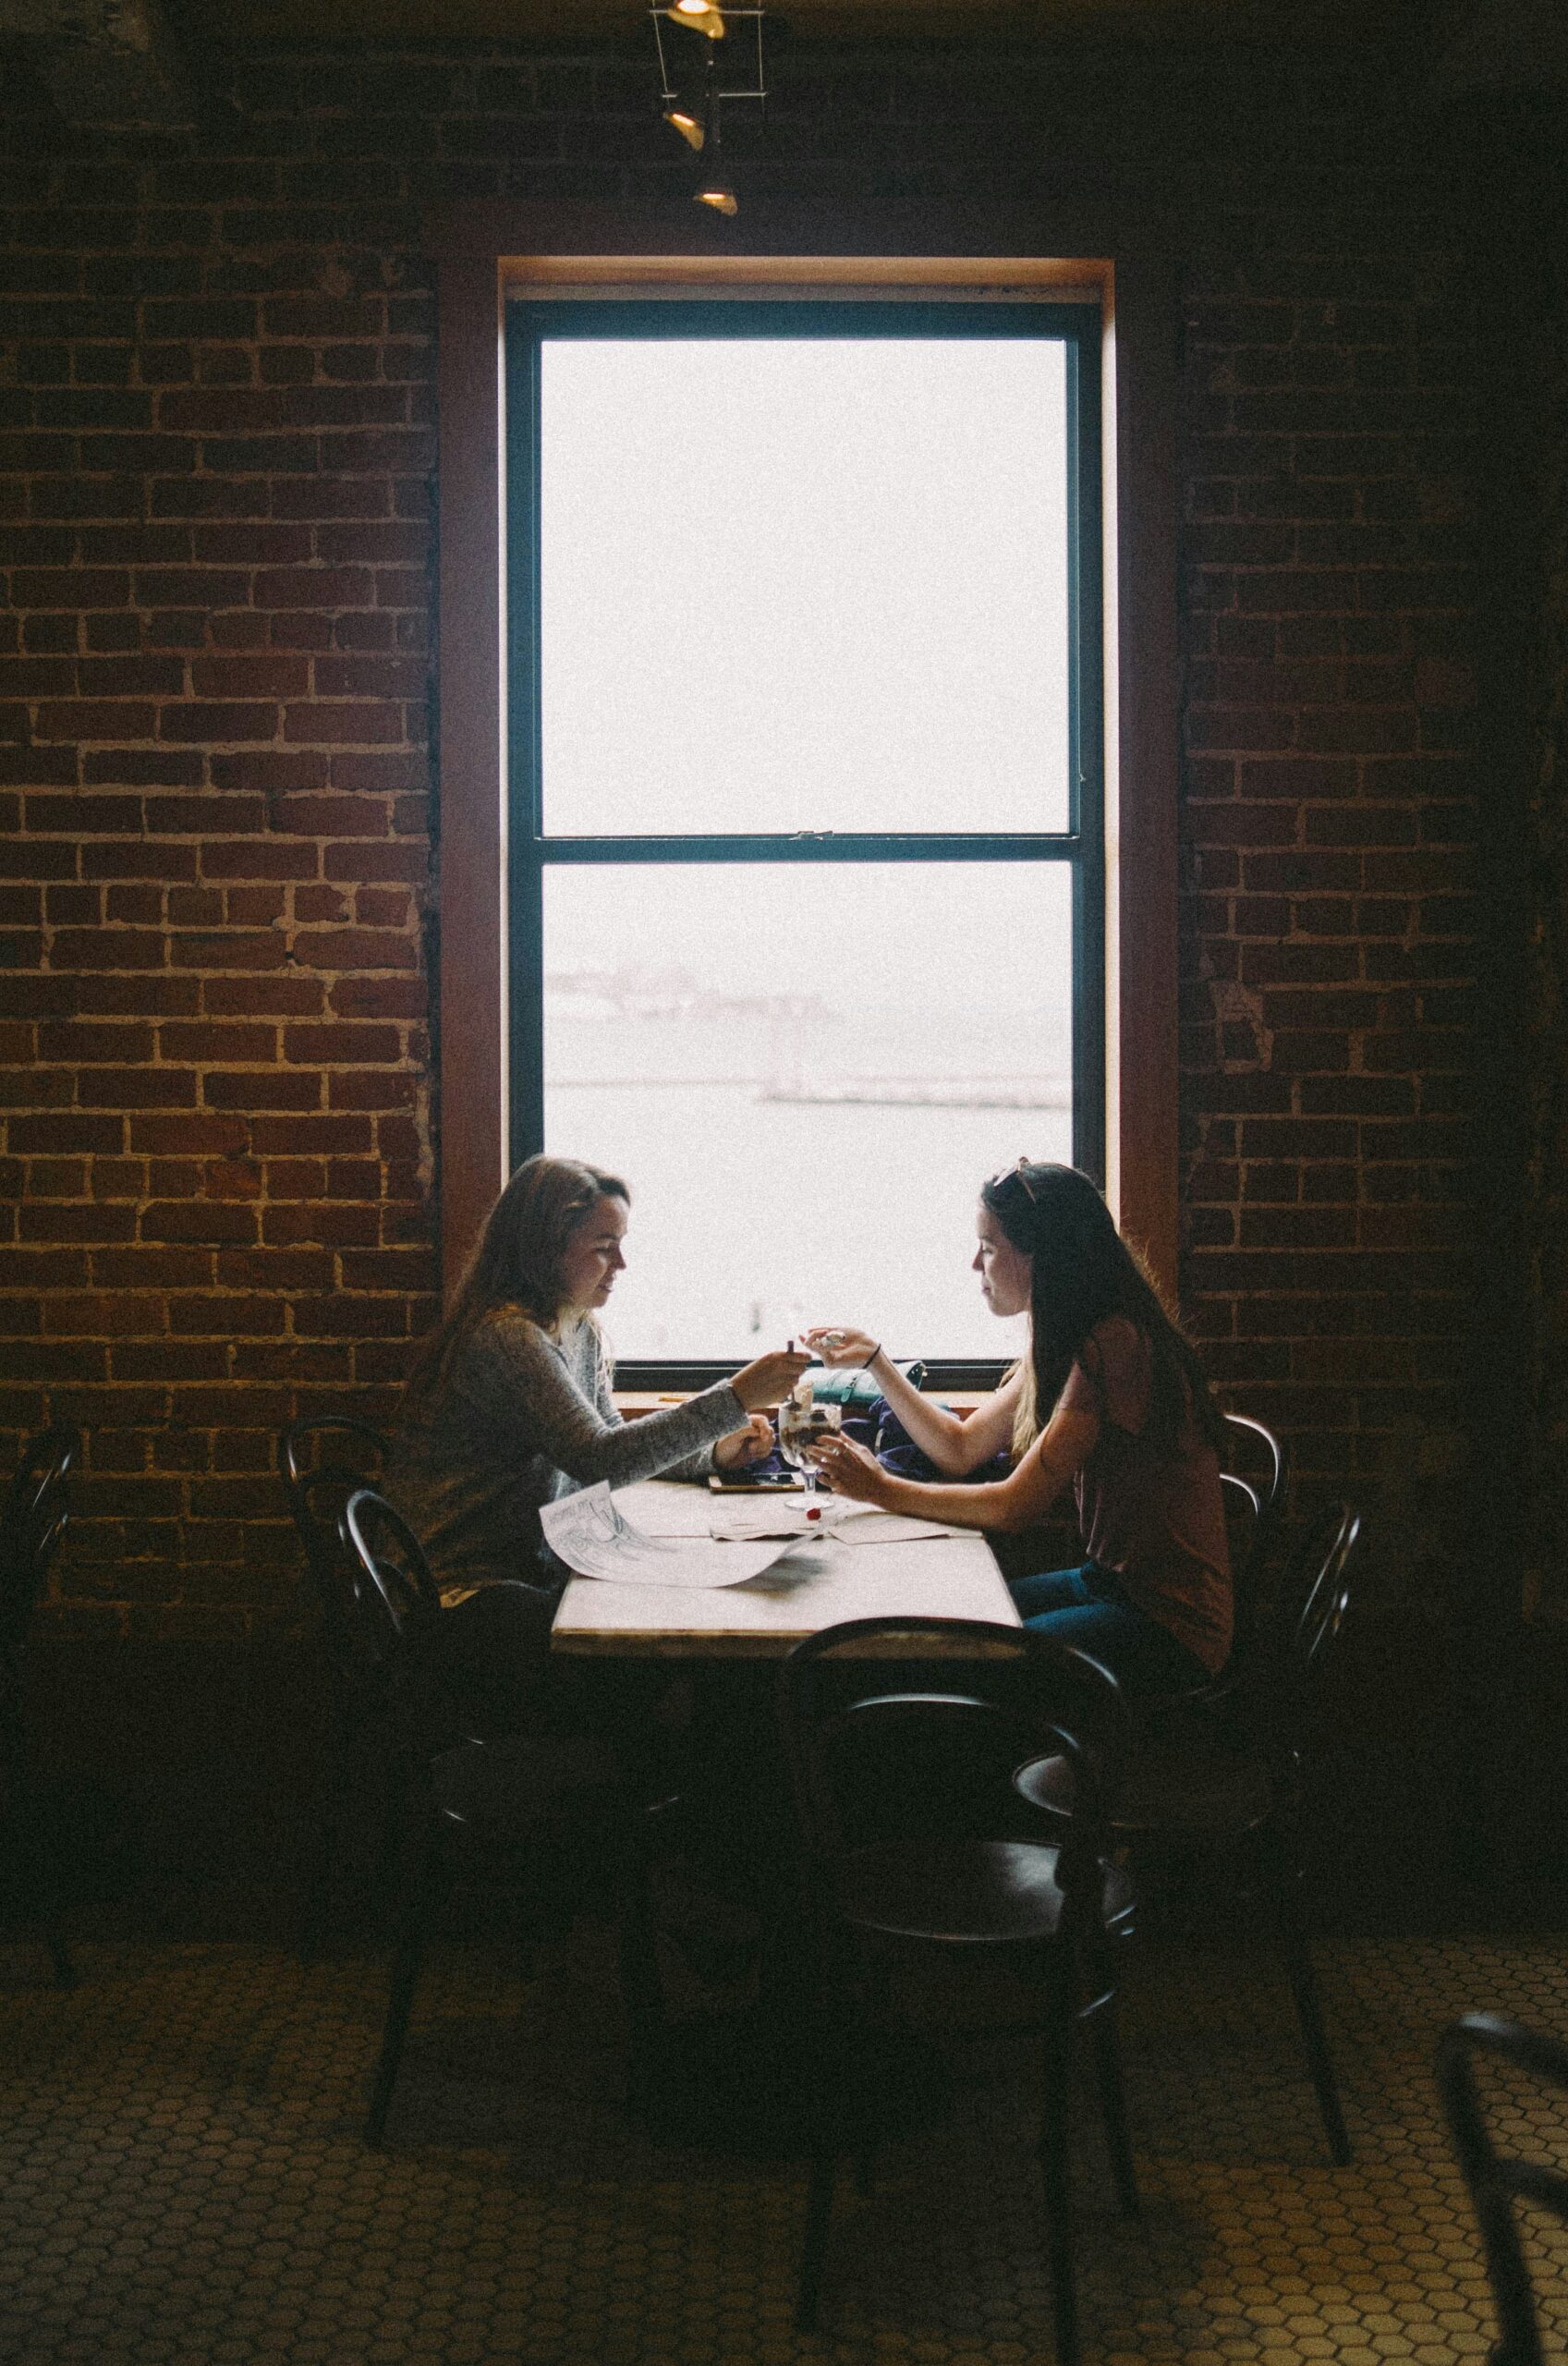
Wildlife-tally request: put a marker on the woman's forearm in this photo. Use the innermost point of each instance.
(1025, 1495)
(992, 1504)
(935, 1430)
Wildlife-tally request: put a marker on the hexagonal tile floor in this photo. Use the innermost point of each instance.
(182, 2179)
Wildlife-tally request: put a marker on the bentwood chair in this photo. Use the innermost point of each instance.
(1497, 2180)
(902, 1801)
(34, 1519)
(1256, 1459)
(1251, 1497)
(491, 1813)
(1198, 1788)
(322, 1461)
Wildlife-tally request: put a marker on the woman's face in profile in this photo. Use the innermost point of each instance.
(593, 1258)
(1006, 1274)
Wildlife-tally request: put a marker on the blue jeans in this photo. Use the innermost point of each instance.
(1087, 1607)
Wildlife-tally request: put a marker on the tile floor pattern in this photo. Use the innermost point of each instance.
(181, 2179)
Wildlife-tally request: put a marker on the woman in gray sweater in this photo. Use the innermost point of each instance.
(509, 1405)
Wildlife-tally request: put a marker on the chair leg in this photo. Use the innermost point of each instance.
(1285, 1875)
(814, 2247)
(828, 2062)
(396, 1811)
(1054, 2147)
(1106, 2039)
(642, 1990)
(405, 1966)
(59, 1955)
(1319, 2062)
(321, 1854)
(36, 1866)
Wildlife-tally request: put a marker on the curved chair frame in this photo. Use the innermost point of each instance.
(1496, 2180)
(1197, 1787)
(1267, 1486)
(977, 1894)
(36, 1514)
(317, 1492)
(452, 1785)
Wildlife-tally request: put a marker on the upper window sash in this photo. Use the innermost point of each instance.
(1072, 330)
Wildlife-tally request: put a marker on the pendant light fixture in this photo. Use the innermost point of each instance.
(682, 118)
(698, 121)
(699, 17)
(712, 189)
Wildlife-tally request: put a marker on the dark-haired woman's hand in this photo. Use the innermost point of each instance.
(770, 1380)
(841, 1348)
(753, 1443)
(850, 1470)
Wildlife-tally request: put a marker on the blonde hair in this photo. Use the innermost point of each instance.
(1026, 1423)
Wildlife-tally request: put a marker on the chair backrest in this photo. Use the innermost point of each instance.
(1243, 1519)
(1260, 1460)
(1281, 1695)
(36, 1512)
(1317, 1591)
(397, 1588)
(329, 1441)
(1263, 1456)
(916, 1725)
(1497, 2180)
(322, 1463)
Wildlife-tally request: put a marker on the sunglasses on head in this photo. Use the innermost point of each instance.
(1018, 1174)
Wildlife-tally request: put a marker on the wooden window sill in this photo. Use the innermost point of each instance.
(634, 1402)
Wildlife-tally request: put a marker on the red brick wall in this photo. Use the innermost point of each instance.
(215, 671)
(216, 487)
(1544, 486)
(1330, 1008)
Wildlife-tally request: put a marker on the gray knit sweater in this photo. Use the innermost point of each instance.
(519, 1418)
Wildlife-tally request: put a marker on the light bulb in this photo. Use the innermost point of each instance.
(700, 15)
(689, 125)
(720, 196)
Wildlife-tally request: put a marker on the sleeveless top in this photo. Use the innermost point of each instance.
(1154, 1514)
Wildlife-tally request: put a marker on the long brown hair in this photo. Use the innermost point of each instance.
(519, 1260)
(1083, 1271)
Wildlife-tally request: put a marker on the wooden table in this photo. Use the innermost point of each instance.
(815, 1586)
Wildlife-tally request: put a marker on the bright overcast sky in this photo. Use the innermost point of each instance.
(816, 585)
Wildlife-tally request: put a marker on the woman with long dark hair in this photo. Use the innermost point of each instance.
(509, 1405)
(1110, 1398)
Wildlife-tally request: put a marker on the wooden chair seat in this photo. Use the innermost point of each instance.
(1168, 1785)
(963, 1893)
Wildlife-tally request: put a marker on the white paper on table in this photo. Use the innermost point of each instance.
(675, 1510)
(873, 1527)
(802, 1523)
(592, 1535)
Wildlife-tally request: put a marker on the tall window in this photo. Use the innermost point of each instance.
(804, 840)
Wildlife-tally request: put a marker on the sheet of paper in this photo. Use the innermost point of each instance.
(589, 1532)
(677, 1510)
(796, 1520)
(873, 1527)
